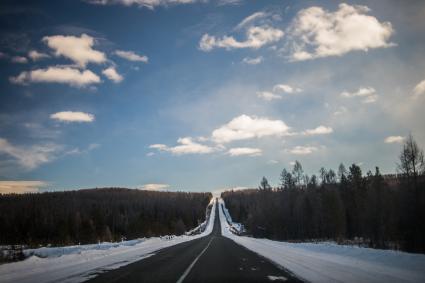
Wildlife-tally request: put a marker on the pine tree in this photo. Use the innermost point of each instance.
(264, 185)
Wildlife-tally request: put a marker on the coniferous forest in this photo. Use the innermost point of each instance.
(380, 211)
(89, 216)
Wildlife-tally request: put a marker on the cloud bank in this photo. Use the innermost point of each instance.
(21, 187)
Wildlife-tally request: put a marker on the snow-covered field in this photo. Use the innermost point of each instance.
(329, 262)
(78, 263)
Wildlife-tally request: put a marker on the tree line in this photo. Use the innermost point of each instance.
(92, 215)
(344, 205)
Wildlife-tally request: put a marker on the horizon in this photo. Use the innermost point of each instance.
(204, 95)
(11, 187)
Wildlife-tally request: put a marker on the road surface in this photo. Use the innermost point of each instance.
(213, 258)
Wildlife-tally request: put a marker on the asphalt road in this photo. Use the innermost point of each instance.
(213, 258)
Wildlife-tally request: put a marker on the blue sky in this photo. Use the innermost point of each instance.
(204, 95)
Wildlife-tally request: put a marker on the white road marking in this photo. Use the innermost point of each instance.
(187, 271)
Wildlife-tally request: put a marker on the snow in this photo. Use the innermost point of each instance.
(201, 227)
(329, 262)
(235, 228)
(60, 251)
(279, 278)
(78, 263)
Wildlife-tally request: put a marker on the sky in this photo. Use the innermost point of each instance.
(202, 95)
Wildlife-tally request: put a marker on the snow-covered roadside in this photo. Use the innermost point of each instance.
(79, 265)
(201, 227)
(45, 252)
(235, 228)
(328, 262)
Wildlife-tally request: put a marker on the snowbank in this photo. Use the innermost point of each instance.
(60, 251)
(329, 262)
(78, 263)
(235, 228)
(201, 227)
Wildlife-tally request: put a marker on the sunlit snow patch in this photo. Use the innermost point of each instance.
(277, 278)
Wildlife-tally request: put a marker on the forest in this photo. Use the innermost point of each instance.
(379, 211)
(92, 215)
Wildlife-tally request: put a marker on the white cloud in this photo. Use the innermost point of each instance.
(150, 4)
(367, 93)
(229, 2)
(155, 187)
(286, 88)
(250, 19)
(131, 56)
(29, 157)
(253, 61)
(78, 49)
(21, 187)
(57, 74)
(303, 150)
(35, 55)
(202, 139)
(321, 33)
(340, 111)
(246, 127)
(93, 146)
(282, 88)
(362, 92)
(77, 150)
(238, 151)
(112, 74)
(74, 151)
(320, 130)
(268, 96)
(71, 116)
(370, 99)
(256, 37)
(394, 139)
(186, 146)
(158, 146)
(301, 56)
(19, 59)
(272, 161)
(419, 89)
